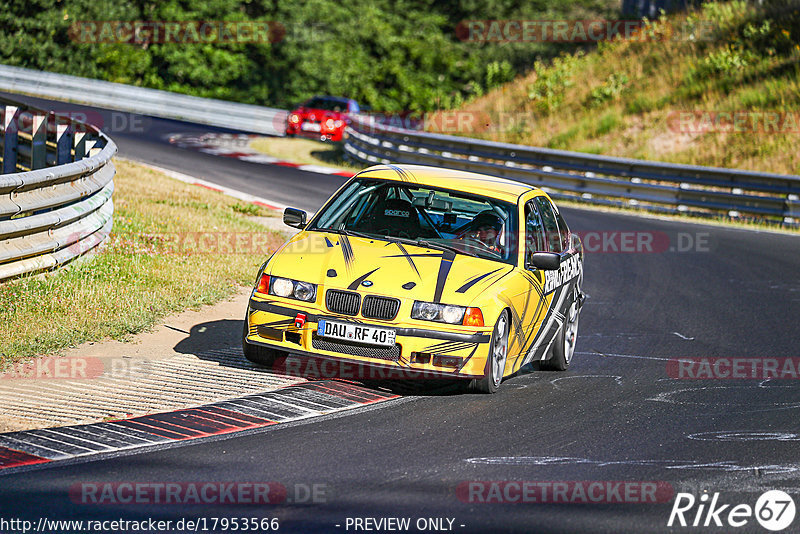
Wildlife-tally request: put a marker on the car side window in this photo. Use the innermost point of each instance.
(534, 232)
(564, 231)
(550, 224)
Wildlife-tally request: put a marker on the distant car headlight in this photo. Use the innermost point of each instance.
(329, 124)
(283, 287)
(442, 313)
(294, 118)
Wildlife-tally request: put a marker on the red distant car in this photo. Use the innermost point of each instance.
(322, 117)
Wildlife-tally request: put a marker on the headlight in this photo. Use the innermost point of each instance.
(442, 313)
(283, 287)
(294, 118)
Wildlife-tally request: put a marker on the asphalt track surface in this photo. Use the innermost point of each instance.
(616, 415)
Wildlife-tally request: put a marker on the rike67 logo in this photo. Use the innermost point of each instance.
(774, 510)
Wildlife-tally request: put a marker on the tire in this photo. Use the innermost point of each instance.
(256, 353)
(496, 360)
(564, 344)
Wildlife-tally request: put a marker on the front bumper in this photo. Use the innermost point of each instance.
(422, 352)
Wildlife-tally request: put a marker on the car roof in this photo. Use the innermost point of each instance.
(468, 182)
(328, 97)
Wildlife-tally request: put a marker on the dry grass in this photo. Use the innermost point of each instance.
(158, 262)
(303, 151)
(619, 98)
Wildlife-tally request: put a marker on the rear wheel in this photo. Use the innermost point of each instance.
(257, 353)
(496, 361)
(564, 344)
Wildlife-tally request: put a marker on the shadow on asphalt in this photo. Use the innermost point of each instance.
(220, 342)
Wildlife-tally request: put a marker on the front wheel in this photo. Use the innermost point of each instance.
(257, 353)
(564, 344)
(496, 361)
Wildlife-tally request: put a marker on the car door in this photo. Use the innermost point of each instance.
(557, 285)
(533, 303)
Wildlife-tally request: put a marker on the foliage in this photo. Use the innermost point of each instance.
(391, 55)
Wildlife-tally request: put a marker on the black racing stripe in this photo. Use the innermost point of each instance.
(400, 172)
(408, 258)
(347, 250)
(444, 270)
(355, 283)
(328, 242)
(468, 358)
(456, 349)
(414, 256)
(469, 283)
(282, 322)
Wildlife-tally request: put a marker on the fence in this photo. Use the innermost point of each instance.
(144, 101)
(654, 186)
(55, 189)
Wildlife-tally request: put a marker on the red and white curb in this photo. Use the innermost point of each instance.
(238, 146)
(292, 403)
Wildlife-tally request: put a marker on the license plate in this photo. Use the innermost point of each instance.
(359, 333)
(311, 127)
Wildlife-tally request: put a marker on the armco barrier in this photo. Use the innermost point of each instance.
(654, 186)
(144, 101)
(55, 189)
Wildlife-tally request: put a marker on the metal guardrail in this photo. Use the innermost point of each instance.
(144, 101)
(654, 186)
(56, 184)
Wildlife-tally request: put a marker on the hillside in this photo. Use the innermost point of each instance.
(716, 86)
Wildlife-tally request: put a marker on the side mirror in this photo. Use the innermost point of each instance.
(545, 261)
(294, 217)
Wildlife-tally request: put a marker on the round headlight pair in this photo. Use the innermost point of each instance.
(443, 313)
(283, 287)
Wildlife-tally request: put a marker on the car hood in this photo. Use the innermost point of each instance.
(388, 268)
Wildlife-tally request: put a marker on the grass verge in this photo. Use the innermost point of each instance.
(174, 246)
(304, 152)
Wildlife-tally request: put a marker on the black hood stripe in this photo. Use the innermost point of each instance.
(408, 258)
(328, 242)
(414, 256)
(357, 281)
(444, 270)
(474, 280)
(347, 250)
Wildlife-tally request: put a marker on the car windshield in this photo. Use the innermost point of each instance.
(437, 218)
(328, 104)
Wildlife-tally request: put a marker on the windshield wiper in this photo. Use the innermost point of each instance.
(442, 246)
(348, 233)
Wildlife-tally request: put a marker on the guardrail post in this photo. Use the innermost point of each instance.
(64, 135)
(10, 130)
(80, 144)
(39, 141)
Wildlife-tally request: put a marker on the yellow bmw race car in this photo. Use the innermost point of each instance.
(435, 272)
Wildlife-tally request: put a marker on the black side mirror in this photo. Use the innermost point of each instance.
(545, 261)
(294, 217)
